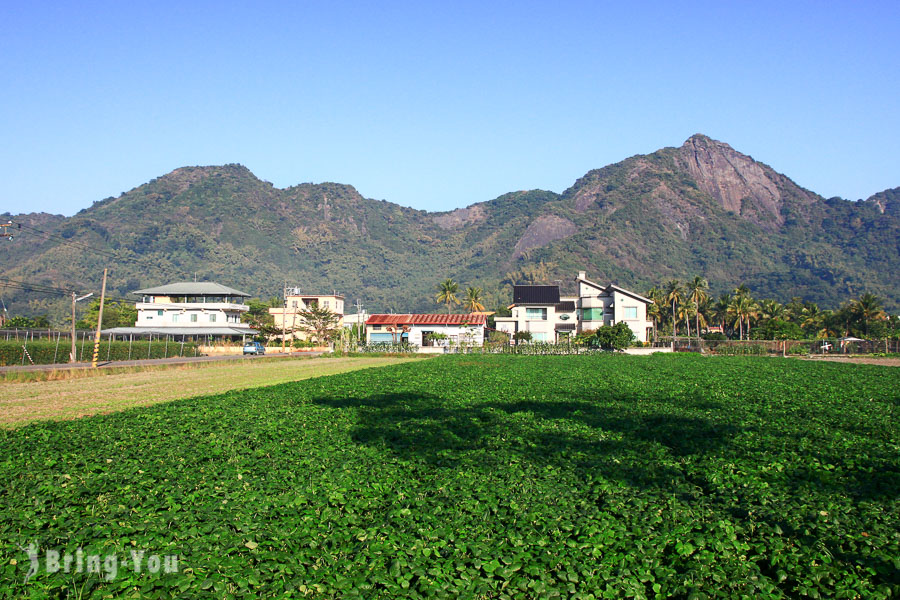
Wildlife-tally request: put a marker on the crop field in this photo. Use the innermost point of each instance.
(476, 477)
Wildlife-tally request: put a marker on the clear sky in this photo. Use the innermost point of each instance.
(437, 105)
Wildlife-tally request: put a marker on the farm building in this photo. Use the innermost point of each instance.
(427, 330)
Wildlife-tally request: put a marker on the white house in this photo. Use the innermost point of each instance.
(419, 330)
(542, 312)
(189, 309)
(607, 305)
(548, 317)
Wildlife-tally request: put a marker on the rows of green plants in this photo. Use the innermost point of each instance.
(46, 352)
(480, 477)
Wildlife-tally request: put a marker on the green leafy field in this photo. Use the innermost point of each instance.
(480, 477)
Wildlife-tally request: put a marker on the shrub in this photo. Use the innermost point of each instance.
(43, 352)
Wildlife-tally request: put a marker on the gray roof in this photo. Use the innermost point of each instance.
(191, 288)
(180, 331)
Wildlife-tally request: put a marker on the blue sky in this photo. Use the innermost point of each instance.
(438, 105)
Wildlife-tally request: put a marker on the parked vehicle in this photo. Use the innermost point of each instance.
(254, 348)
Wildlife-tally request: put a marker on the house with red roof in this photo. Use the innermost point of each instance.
(427, 331)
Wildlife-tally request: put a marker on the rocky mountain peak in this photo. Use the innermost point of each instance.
(738, 182)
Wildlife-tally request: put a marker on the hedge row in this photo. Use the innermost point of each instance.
(44, 352)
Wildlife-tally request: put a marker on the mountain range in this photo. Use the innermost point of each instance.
(699, 209)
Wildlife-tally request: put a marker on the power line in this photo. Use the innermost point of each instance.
(76, 243)
(52, 290)
(87, 247)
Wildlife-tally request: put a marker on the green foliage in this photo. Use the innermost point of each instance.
(522, 336)
(40, 321)
(115, 314)
(319, 323)
(43, 352)
(612, 337)
(259, 318)
(480, 477)
(778, 329)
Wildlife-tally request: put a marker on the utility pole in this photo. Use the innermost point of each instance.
(99, 322)
(284, 317)
(74, 300)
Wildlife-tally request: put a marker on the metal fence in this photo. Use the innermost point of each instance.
(834, 346)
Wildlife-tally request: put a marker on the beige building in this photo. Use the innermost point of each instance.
(289, 318)
(549, 317)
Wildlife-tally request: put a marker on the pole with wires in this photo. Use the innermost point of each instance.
(73, 356)
(99, 322)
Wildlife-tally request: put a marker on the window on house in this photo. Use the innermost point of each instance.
(592, 314)
(536, 314)
(212, 318)
(159, 313)
(174, 318)
(293, 304)
(325, 303)
(538, 336)
(193, 318)
(631, 312)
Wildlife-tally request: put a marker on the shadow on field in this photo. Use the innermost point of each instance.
(613, 440)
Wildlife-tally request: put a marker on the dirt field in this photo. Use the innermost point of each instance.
(22, 403)
(863, 360)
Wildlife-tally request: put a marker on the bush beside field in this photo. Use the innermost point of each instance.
(481, 477)
(42, 352)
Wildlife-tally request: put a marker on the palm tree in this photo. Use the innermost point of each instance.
(654, 310)
(720, 309)
(771, 309)
(742, 290)
(742, 308)
(674, 296)
(447, 290)
(472, 301)
(868, 307)
(697, 290)
(811, 318)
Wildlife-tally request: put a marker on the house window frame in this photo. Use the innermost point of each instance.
(530, 314)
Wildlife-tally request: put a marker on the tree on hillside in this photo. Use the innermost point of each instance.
(472, 302)
(674, 295)
(697, 290)
(319, 323)
(447, 290)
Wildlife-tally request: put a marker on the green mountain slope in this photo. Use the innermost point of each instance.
(702, 208)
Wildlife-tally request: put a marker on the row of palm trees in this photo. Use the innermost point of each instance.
(447, 291)
(690, 304)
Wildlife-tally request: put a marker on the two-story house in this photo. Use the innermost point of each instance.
(549, 317)
(542, 312)
(600, 305)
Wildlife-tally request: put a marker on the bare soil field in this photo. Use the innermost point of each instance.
(71, 398)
